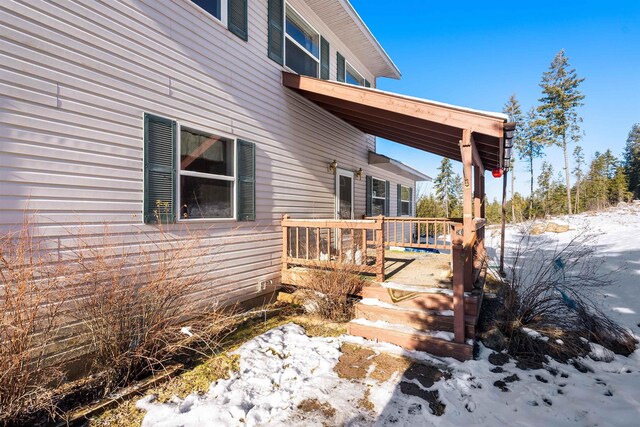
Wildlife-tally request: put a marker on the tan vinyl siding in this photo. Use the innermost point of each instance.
(76, 77)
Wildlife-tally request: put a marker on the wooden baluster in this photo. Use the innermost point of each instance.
(297, 241)
(329, 244)
(285, 243)
(307, 243)
(380, 240)
(318, 237)
(364, 247)
(353, 245)
(339, 246)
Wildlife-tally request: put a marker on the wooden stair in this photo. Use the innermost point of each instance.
(423, 322)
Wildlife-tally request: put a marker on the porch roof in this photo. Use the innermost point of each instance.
(397, 167)
(427, 125)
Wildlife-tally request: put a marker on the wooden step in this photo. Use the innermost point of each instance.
(419, 319)
(412, 340)
(424, 301)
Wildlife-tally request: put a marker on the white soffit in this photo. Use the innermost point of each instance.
(344, 21)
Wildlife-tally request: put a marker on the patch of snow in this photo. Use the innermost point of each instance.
(535, 334)
(377, 303)
(186, 330)
(419, 289)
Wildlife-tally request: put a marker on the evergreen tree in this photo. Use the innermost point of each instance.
(456, 201)
(618, 187)
(597, 182)
(631, 160)
(429, 207)
(545, 185)
(559, 103)
(531, 145)
(513, 110)
(444, 185)
(578, 159)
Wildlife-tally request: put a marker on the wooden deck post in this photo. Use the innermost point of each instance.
(457, 253)
(466, 151)
(285, 242)
(379, 239)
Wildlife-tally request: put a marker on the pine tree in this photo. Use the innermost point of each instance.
(545, 184)
(597, 182)
(530, 145)
(559, 103)
(618, 187)
(456, 201)
(513, 110)
(631, 160)
(444, 185)
(578, 159)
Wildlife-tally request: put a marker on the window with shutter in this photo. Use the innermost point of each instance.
(215, 8)
(238, 19)
(379, 197)
(246, 181)
(387, 204)
(369, 186)
(275, 32)
(404, 200)
(302, 45)
(159, 170)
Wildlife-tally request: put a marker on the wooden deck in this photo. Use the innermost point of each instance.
(424, 297)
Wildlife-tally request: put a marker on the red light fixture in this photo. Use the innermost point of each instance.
(497, 172)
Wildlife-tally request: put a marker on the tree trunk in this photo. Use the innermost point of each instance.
(513, 182)
(578, 195)
(566, 171)
(504, 217)
(531, 192)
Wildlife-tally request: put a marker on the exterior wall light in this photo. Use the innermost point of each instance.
(331, 167)
(359, 173)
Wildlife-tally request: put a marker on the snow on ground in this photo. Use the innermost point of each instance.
(283, 367)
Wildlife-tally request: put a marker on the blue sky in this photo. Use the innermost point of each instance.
(476, 54)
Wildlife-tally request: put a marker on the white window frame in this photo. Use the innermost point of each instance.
(223, 12)
(402, 187)
(304, 49)
(347, 65)
(384, 199)
(180, 173)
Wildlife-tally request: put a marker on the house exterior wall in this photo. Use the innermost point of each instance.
(76, 77)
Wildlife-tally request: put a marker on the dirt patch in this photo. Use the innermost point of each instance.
(498, 359)
(313, 405)
(365, 403)
(387, 365)
(354, 362)
(426, 375)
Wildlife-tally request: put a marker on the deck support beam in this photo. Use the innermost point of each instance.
(466, 150)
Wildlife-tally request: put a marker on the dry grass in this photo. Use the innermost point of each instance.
(552, 291)
(330, 286)
(29, 319)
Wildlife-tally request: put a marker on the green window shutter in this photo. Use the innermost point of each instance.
(325, 60)
(399, 200)
(275, 34)
(237, 18)
(366, 83)
(246, 181)
(387, 201)
(411, 201)
(369, 189)
(341, 67)
(159, 170)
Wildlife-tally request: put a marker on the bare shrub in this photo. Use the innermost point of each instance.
(551, 292)
(135, 298)
(30, 303)
(330, 285)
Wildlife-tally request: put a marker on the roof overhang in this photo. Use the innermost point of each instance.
(430, 126)
(396, 167)
(348, 26)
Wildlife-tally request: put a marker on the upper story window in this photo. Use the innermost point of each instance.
(352, 76)
(302, 45)
(216, 8)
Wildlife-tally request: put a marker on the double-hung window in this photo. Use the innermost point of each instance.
(352, 76)
(378, 197)
(302, 45)
(206, 175)
(405, 200)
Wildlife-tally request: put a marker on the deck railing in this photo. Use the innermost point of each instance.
(318, 242)
(418, 233)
